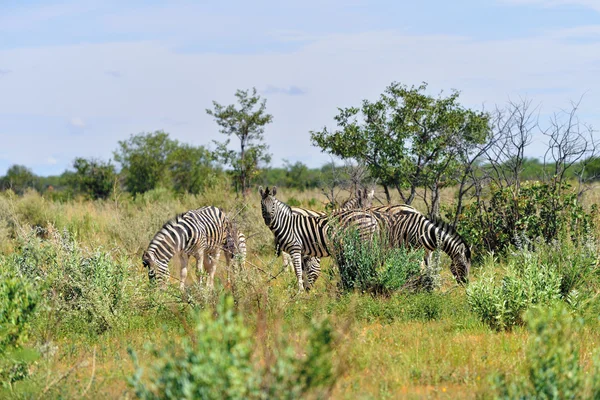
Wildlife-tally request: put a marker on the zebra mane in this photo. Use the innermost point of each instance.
(450, 230)
(172, 222)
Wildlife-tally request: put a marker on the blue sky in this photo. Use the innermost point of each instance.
(78, 76)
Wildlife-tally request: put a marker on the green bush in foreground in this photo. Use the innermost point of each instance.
(18, 302)
(85, 293)
(217, 362)
(552, 369)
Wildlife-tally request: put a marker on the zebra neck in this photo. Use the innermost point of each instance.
(449, 244)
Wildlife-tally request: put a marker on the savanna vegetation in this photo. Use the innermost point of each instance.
(78, 317)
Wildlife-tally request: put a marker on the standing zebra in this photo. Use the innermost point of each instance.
(362, 200)
(301, 233)
(200, 233)
(311, 266)
(408, 227)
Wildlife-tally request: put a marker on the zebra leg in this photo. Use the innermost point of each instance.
(210, 263)
(312, 265)
(183, 261)
(287, 261)
(297, 260)
(426, 260)
(199, 264)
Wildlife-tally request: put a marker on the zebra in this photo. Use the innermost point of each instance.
(201, 233)
(408, 227)
(235, 245)
(362, 200)
(311, 266)
(302, 233)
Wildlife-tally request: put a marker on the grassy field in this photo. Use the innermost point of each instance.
(407, 345)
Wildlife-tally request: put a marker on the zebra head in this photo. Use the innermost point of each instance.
(461, 263)
(156, 268)
(269, 204)
(365, 199)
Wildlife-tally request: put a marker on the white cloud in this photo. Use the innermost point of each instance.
(159, 86)
(51, 161)
(77, 122)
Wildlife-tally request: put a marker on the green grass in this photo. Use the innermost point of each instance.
(408, 345)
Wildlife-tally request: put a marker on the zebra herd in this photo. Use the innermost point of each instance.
(302, 235)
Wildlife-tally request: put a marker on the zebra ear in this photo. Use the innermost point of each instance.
(274, 190)
(358, 192)
(261, 191)
(371, 194)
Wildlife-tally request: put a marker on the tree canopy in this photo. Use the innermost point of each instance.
(247, 121)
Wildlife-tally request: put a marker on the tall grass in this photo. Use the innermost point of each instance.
(81, 261)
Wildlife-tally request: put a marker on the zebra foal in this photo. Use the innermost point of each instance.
(200, 233)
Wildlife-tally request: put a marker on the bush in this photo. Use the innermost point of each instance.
(87, 293)
(18, 303)
(552, 369)
(511, 216)
(371, 266)
(528, 281)
(217, 362)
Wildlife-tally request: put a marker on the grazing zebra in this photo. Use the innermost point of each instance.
(300, 233)
(311, 266)
(201, 233)
(236, 248)
(408, 227)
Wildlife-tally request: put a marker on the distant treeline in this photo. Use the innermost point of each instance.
(153, 160)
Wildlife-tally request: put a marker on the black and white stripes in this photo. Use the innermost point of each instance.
(301, 233)
(200, 233)
(408, 227)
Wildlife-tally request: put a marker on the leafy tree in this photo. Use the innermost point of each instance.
(247, 122)
(144, 159)
(94, 178)
(18, 178)
(191, 168)
(407, 139)
(299, 176)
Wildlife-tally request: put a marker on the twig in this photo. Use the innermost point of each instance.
(60, 378)
(92, 377)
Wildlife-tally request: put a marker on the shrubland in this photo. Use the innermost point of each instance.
(79, 316)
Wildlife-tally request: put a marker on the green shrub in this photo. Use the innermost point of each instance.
(217, 362)
(371, 266)
(510, 216)
(528, 281)
(18, 303)
(552, 368)
(88, 293)
(293, 202)
(577, 264)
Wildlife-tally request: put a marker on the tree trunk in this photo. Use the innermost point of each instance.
(386, 189)
(243, 172)
(435, 200)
